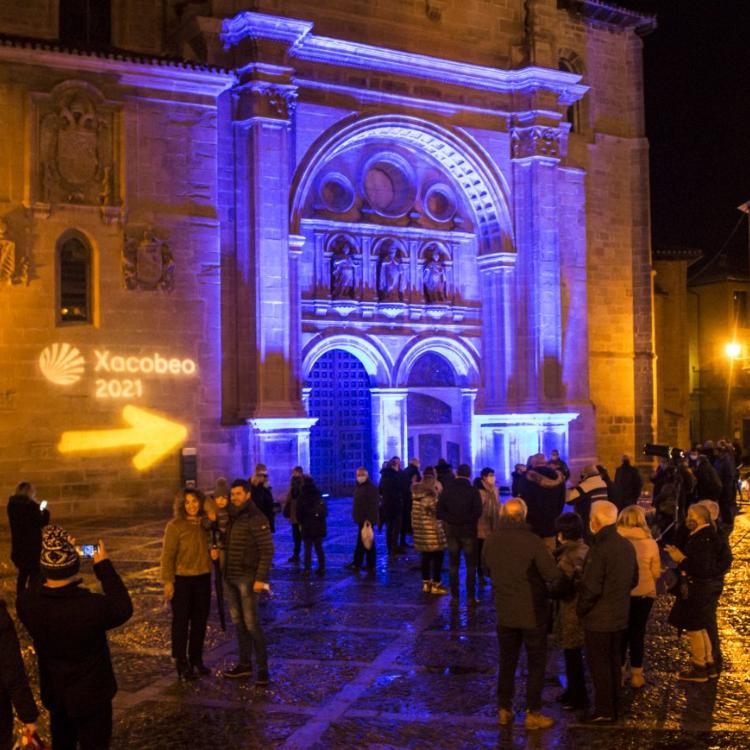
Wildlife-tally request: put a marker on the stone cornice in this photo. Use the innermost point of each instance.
(610, 15)
(303, 45)
(155, 75)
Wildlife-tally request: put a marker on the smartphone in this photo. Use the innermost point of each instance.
(43, 505)
(88, 550)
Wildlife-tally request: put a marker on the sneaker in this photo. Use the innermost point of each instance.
(262, 679)
(504, 717)
(426, 587)
(537, 720)
(241, 670)
(200, 668)
(472, 601)
(320, 572)
(351, 566)
(436, 588)
(712, 671)
(696, 673)
(294, 559)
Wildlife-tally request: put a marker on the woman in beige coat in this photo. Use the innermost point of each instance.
(632, 525)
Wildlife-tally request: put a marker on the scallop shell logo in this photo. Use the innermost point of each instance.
(61, 364)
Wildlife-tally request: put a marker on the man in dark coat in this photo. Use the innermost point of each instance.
(364, 509)
(543, 490)
(248, 564)
(609, 574)
(312, 513)
(69, 625)
(726, 470)
(26, 519)
(708, 484)
(391, 489)
(14, 685)
(460, 507)
(520, 566)
(629, 483)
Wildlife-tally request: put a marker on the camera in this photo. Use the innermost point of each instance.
(663, 451)
(88, 550)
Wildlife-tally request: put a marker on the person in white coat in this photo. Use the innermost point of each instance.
(632, 525)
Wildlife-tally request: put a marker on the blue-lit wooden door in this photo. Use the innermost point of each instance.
(341, 440)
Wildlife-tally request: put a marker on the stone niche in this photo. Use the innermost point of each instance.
(74, 148)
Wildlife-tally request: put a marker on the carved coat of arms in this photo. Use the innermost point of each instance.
(148, 263)
(76, 146)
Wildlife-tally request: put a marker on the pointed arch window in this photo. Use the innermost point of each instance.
(74, 280)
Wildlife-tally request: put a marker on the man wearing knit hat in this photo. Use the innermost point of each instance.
(68, 624)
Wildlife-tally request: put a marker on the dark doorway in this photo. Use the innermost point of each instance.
(341, 440)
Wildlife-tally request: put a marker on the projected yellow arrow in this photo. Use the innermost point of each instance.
(157, 436)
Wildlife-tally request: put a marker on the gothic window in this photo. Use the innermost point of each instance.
(432, 370)
(74, 281)
(86, 23)
(573, 112)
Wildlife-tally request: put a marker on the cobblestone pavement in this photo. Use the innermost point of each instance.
(374, 663)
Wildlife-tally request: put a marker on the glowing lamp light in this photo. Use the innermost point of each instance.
(733, 350)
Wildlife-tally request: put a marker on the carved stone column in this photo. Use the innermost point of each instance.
(536, 152)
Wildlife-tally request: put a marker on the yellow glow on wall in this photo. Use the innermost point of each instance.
(156, 435)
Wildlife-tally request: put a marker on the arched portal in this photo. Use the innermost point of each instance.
(433, 411)
(341, 440)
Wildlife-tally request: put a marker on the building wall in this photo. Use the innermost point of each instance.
(199, 182)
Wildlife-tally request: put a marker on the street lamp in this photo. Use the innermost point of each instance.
(733, 350)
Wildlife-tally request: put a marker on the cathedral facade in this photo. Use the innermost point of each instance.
(319, 234)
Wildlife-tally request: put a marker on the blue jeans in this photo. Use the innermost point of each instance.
(243, 609)
(467, 544)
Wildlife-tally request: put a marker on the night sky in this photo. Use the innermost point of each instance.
(697, 76)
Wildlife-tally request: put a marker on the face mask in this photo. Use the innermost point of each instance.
(692, 524)
(361, 479)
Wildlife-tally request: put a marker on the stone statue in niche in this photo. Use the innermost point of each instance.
(433, 277)
(390, 274)
(148, 263)
(75, 147)
(342, 270)
(13, 269)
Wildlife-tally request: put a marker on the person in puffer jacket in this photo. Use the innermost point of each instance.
(429, 534)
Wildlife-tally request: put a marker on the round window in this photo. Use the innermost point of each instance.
(439, 202)
(389, 186)
(336, 192)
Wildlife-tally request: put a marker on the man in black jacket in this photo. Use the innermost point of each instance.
(460, 507)
(543, 490)
(14, 685)
(391, 489)
(249, 550)
(520, 566)
(69, 625)
(26, 519)
(629, 483)
(364, 509)
(609, 574)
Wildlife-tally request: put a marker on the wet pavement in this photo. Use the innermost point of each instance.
(359, 662)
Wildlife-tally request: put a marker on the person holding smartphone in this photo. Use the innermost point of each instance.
(69, 624)
(27, 518)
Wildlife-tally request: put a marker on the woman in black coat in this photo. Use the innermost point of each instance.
(311, 514)
(14, 686)
(699, 585)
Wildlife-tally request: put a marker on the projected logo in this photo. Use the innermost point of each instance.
(61, 364)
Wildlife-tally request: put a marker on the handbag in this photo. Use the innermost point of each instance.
(368, 535)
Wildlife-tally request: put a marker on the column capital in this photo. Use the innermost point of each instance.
(545, 141)
(264, 99)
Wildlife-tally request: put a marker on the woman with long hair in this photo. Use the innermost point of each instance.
(186, 574)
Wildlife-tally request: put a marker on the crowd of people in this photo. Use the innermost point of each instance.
(571, 562)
